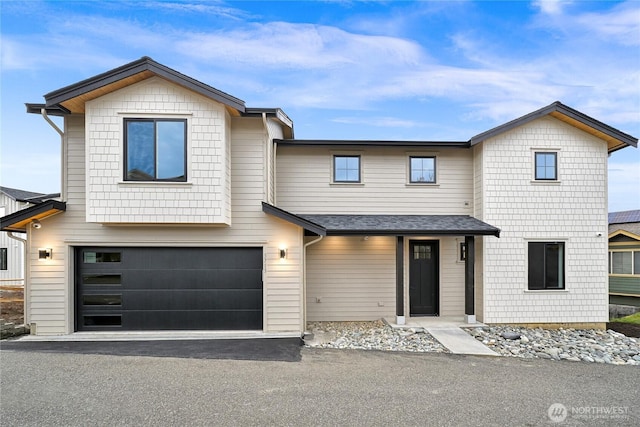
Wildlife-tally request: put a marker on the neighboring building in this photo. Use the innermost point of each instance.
(184, 209)
(12, 250)
(624, 258)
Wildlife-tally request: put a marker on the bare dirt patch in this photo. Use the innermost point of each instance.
(12, 304)
(629, 329)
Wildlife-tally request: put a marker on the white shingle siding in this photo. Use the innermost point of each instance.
(52, 288)
(572, 210)
(204, 199)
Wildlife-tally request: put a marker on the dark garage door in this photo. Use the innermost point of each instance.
(168, 288)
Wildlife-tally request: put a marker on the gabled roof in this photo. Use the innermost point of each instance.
(615, 139)
(73, 97)
(20, 220)
(386, 225)
(623, 233)
(19, 195)
(624, 217)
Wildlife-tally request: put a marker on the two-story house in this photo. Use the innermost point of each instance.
(12, 247)
(624, 259)
(184, 209)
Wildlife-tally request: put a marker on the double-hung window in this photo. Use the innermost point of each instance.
(546, 167)
(422, 170)
(155, 149)
(624, 262)
(346, 168)
(546, 265)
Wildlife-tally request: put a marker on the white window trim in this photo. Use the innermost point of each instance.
(332, 162)
(177, 115)
(556, 181)
(436, 160)
(635, 269)
(526, 289)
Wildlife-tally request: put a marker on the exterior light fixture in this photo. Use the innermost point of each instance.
(283, 253)
(36, 224)
(45, 254)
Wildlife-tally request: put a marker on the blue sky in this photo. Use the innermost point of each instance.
(340, 69)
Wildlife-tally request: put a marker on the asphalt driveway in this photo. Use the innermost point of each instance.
(276, 349)
(326, 387)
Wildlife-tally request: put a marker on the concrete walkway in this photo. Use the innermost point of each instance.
(460, 342)
(447, 330)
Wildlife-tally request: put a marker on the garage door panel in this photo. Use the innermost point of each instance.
(192, 258)
(161, 320)
(192, 300)
(129, 288)
(192, 279)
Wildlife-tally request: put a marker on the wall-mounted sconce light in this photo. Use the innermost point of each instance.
(36, 224)
(283, 253)
(365, 238)
(45, 254)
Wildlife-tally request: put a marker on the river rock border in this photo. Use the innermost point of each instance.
(371, 336)
(587, 345)
(577, 345)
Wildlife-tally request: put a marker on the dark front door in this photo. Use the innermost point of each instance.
(423, 278)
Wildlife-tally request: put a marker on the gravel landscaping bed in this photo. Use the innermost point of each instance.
(561, 344)
(371, 336)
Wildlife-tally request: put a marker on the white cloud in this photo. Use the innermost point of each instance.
(551, 7)
(379, 122)
(624, 185)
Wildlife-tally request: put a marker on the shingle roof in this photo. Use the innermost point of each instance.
(387, 225)
(19, 195)
(624, 217)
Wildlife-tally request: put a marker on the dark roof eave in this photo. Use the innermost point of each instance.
(8, 222)
(294, 219)
(55, 110)
(374, 143)
(557, 106)
(143, 64)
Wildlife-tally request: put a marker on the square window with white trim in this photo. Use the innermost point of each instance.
(546, 166)
(546, 265)
(346, 168)
(155, 150)
(422, 170)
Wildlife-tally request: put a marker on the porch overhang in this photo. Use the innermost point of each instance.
(20, 220)
(386, 225)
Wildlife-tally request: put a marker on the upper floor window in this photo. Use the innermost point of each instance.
(346, 168)
(546, 265)
(422, 169)
(546, 166)
(155, 149)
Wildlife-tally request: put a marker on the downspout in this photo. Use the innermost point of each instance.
(63, 150)
(25, 253)
(268, 168)
(304, 276)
